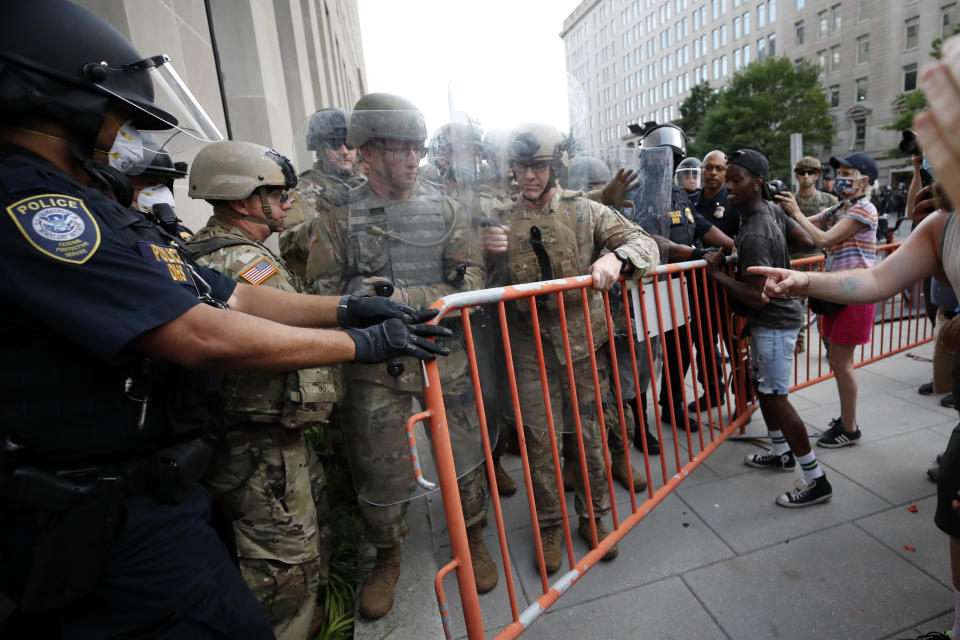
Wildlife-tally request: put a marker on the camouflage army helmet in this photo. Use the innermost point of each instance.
(327, 129)
(232, 170)
(585, 171)
(533, 141)
(383, 116)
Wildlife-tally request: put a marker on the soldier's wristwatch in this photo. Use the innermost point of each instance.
(625, 264)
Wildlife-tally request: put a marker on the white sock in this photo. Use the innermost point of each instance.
(808, 465)
(780, 445)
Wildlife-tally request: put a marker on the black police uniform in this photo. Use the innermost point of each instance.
(101, 535)
(718, 211)
(687, 227)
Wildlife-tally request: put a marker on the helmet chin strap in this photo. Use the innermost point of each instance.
(275, 225)
(551, 183)
(110, 179)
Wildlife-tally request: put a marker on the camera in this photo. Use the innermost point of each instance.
(908, 143)
(777, 186)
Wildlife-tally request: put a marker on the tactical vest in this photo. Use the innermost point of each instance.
(402, 241)
(60, 402)
(295, 399)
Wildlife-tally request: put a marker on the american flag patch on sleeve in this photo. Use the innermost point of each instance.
(258, 271)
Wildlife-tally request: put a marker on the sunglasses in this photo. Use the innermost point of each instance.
(806, 172)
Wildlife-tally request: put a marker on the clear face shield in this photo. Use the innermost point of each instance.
(187, 124)
(689, 180)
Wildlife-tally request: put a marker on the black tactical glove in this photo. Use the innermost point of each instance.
(361, 310)
(393, 338)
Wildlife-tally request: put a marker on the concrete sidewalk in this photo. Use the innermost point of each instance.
(718, 559)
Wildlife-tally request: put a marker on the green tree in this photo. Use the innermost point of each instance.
(762, 106)
(695, 108)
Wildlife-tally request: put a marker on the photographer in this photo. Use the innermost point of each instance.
(848, 232)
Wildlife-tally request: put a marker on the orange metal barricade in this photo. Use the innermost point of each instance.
(682, 297)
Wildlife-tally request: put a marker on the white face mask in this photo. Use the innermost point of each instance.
(127, 149)
(158, 194)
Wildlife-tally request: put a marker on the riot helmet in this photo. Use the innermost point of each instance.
(383, 116)
(665, 135)
(327, 129)
(688, 174)
(586, 173)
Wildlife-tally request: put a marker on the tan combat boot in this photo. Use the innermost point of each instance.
(620, 474)
(584, 531)
(376, 598)
(505, 484)
(484, 570)
(552, 539)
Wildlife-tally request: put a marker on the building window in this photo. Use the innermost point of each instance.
(860, 14)
(772, 10)
(723, 66)
(835, 95)
(863, 49)
(822, 61)
(746, 55)
(723, 35)
(912, 34)
(772, 44)
(835, 18)
(716, 68)
(737, 60)
(801, 4)
(822, 24)
(746, 23)
(736, 28)
(761, 49)
(835, 59)
(798, 30)
(910, 77)
(761, 16)
(948, 16)
(861, 89)
(860, 135)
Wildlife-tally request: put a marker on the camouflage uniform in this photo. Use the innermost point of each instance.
(272, 484)
(574, 231)
(811, 205)
(418, 244)
(319, 191)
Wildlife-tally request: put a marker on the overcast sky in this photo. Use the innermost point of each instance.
(500, 61)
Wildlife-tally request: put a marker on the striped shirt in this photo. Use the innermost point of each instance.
(860, 249)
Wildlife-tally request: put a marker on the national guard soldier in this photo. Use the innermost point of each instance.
(548, 228)
(272, 484)
(421, 240)
(323, 186)
(105, 530)
(587, 173)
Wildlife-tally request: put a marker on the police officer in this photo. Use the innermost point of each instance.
(153, 193)
(323, 186)
(547, 225)
(421, 240)
(688, 176)
(272, 484)
(689, 231)
(104, 530)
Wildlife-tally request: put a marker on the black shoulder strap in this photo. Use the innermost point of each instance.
(198, 248)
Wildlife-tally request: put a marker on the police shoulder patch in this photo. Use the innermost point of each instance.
(259, 271)
(57, 225)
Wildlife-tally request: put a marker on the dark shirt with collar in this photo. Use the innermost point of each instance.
(718, 211)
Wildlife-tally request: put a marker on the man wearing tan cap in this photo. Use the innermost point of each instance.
(811, 201)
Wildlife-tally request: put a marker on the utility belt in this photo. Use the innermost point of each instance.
(60, 521)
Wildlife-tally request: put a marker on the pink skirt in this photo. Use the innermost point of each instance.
(851, 325)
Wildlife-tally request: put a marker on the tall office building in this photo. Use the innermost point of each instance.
(638, 59)
(258, 67)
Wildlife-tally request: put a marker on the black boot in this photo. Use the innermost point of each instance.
(653, 445)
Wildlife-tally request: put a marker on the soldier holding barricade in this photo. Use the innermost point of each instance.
(395, 229)
(271, 485)
(550, 232)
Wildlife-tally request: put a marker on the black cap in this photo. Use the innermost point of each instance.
(859, 161)
(751, 160)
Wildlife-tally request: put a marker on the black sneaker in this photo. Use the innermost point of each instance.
(805, 494)
(653, 445)
(704, 403)
(684, 420)
(836, 436)
(781, 462)
(947, 401)
(926, 389)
